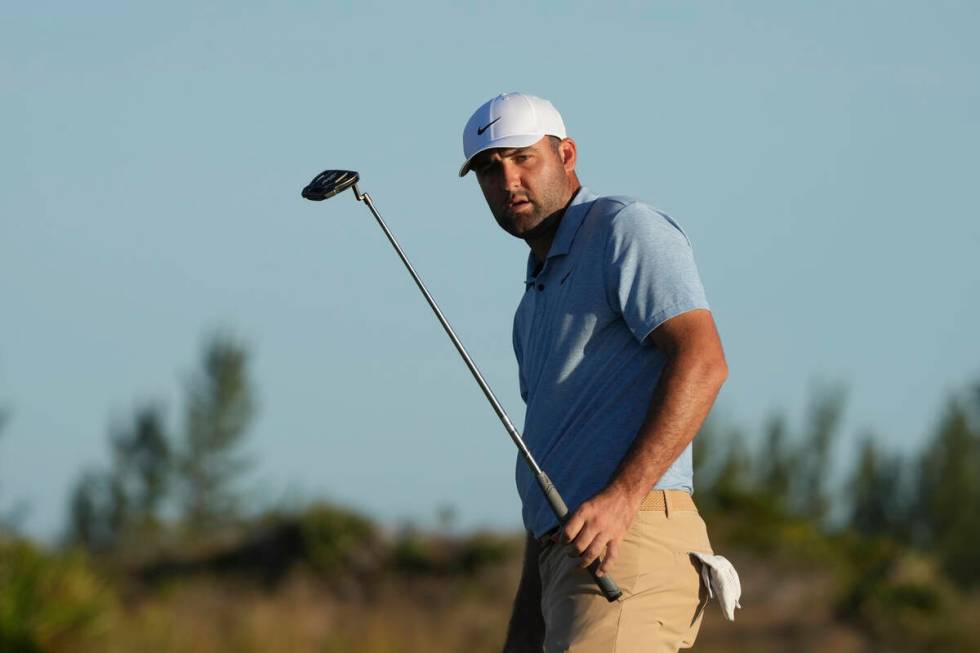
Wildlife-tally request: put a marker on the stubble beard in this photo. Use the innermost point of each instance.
(546, 210)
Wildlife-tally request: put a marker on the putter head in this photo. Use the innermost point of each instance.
(328, 183)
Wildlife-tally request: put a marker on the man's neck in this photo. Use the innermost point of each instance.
(540, 238)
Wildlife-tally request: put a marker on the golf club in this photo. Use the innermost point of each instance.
(331, 182)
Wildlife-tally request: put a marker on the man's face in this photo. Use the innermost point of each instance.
(525, 185)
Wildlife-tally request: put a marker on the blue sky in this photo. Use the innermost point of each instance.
(822, 157)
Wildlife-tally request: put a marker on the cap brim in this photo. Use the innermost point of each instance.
(522, 140)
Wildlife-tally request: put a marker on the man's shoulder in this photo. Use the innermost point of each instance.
(623, 215)
(611, 205)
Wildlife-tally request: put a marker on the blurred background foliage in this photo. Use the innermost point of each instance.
(159, 555)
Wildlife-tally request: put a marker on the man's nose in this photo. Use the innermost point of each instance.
(511, 175)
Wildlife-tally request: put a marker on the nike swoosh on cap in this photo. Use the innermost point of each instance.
(480, 130)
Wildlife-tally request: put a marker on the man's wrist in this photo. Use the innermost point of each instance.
(633, 493)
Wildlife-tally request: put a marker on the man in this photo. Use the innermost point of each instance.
(619, 364)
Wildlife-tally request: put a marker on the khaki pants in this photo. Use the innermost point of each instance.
(663, 598)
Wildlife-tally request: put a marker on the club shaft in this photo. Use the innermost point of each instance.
(606, 584)
(501, 413)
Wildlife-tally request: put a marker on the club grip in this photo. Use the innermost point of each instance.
(606, 584)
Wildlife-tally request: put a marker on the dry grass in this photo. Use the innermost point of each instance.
(303, 615)
(781, 611)
(436, 615)
(785, 608)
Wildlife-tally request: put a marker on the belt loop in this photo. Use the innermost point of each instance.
(666, 504)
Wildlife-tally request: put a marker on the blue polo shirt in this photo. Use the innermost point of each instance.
(616, 270)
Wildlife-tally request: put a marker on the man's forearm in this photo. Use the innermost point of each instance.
(525, 634)
(684, 394)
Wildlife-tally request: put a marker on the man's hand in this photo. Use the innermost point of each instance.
(598, 526)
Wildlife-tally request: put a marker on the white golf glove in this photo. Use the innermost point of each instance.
(721, 579)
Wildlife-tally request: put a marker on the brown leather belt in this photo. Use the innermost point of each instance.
(665, 501)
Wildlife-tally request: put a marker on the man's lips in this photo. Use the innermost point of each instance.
(517, 203)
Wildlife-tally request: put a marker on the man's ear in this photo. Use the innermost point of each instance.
(568, 151)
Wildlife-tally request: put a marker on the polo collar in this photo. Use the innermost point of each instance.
(570, 223)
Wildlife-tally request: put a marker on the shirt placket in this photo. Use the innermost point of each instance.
(538, 348)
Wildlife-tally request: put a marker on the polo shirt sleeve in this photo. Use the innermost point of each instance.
(650, 271)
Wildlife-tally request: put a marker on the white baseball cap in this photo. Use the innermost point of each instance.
(509, 120)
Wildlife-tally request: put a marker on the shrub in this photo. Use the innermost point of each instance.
(47, 601)
(334, 537)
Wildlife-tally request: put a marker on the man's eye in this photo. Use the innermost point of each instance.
(521, 158)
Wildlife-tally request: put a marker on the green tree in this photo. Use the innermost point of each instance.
(10, 514)
(142, 462)
(109, 507)
(732, 479)
(949, 493)
(89, 524)
(48, 602)
(775, 467)
(812, 460)
(877, 493)
(220, 406)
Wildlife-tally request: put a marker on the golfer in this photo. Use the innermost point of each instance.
(619, 363)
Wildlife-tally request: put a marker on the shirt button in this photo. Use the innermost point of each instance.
(540, 286)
